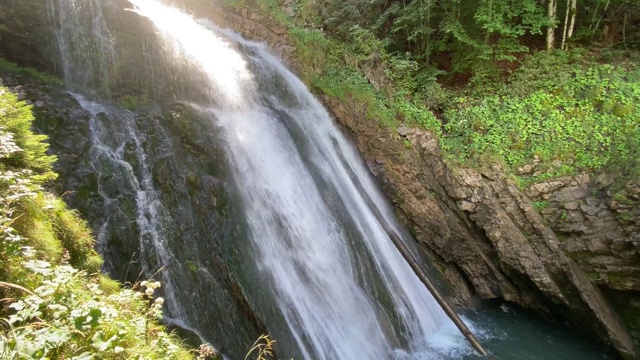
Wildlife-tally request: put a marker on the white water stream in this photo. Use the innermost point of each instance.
(110, 137)
(305, 250)
(84, 41)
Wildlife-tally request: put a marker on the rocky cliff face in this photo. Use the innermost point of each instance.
(599, 226)
(482, 228)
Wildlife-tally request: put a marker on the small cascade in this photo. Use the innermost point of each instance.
(139, 236)
(85, 45)
(119, 158)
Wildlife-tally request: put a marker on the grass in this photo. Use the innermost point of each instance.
(349, 86)
(9, 67)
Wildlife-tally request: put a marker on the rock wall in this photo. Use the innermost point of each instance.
(600, 227)
(200, 228)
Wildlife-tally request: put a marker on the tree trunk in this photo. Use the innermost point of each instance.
(424, 278)
(428, 36)
(574, 11)
(566, 24)
(552, 10)
(488, 35)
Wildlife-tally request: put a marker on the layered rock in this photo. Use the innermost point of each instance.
(600, 227)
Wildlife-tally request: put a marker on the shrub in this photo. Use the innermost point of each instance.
(587, 121)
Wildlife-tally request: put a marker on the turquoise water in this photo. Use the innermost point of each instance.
(510, 333)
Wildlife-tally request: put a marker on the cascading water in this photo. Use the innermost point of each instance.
(114, 139)
(306, 196)
(87, 52)
(86, 47)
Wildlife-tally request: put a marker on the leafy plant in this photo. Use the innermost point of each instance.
(9, 67)
(586, 122)
(563, 216)
(69, 315)
(540, 205)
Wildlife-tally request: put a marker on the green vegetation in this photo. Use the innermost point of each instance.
(9, 67)
(585, 120)
(540, 205)
(132, 102)
(56, 305)
(475, 74)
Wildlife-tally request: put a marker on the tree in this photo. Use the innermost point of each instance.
(569, 22)
(552, 10)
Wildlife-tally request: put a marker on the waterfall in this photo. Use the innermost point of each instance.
(86, 47)
(306, 195)
(243, 198)
(116, 145)
(117, 154)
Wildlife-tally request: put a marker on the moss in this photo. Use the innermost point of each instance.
(593, 276)
(580, 257)
(622, 198)
(193, 270)
(627, 306)
(84, 193)
(75, 236)
(626, 218)
(133, 102)
(193, 183)
(45, 78)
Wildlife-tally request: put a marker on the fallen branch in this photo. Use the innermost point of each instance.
(420, 273)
